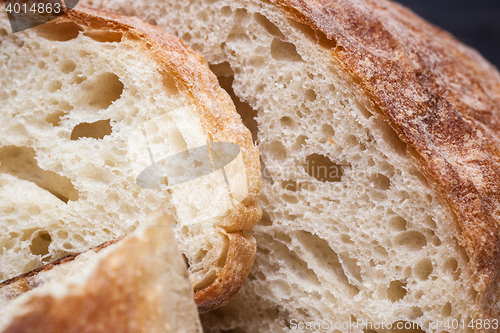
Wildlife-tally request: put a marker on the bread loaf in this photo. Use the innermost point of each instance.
(90, 101)
(378, 134)
(139, 284)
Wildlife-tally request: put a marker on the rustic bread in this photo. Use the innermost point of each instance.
(139, 284)
(89, 101)
(378, 134)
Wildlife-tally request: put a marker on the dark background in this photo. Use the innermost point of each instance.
(476, 23)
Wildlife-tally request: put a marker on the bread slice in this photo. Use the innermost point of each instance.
(379, 137)
(139, 284)
(88, 102)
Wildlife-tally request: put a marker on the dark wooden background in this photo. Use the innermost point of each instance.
(476, 23)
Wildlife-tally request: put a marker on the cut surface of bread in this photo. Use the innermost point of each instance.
(139, 284)
(87, 103)
(378, 136)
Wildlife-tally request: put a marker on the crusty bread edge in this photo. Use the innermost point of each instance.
(240, 257)
(408, 73)
(115, 297)
(225, 125)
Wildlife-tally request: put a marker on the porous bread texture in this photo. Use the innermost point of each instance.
(84, 109)
(351, 229)
(139, 284)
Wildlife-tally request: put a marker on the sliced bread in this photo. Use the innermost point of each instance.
(139, 284)
(90, 101)
(379, 137)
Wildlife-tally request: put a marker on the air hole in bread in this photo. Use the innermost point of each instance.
(398, 223)
(287, 121)
(310, 95)
(6, 244)
(416, 312)
(284, 51)
(55, 118)
(423, 269)
(266, 219)
(238, 37)
(346, 239)
(169, 83)
(40, 243)
(447, 309)
(61, 32)
(290, 198)
(62, 234)
(78, 79)
(351, 268)
(277, 150)
(96, 130)
(21, 162)
(225, 75)
(68, 246)
(54, 86)
(381, 182)
(268, 26)
(300, 142)
(323, 169)
(412, 240)
(396, 291)
(325, 258)
(101, 92)
(78, 238)
(289, 185)
(186, 260)
(450, 266)
(327, 133)
(104, 36)
(67, 66)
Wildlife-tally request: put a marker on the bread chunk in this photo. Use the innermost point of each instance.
(87, 103)
(139, 284)
(378, 134)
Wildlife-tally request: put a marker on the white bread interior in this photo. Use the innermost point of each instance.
(83, 110)
(351, 229)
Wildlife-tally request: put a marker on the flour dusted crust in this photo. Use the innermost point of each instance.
(219, 120)
(443, 100)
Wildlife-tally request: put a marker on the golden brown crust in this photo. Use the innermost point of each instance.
(125, 292)
(219, 119)
(107, 304)
(25, 282)
(441, 97)
(240, 257)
